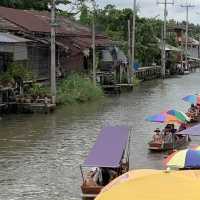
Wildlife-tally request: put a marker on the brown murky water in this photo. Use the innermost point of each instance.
(40, 154)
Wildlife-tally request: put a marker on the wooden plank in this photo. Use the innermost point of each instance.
(89, 195)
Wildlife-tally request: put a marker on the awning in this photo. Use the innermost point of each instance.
(13, 44)
(9, 38)
(194, 131)
(109, 147)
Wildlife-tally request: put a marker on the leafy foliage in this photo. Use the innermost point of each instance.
(114, 22)
(15, 73)
(74, 5)
(77, 88)
(18, 71)
(26, 4)
(6, 78)
(38, 90)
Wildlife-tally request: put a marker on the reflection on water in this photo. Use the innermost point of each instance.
(40, 154)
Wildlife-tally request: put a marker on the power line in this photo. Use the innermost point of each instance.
(165, 3)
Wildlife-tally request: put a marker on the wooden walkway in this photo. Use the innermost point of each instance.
(148, 73)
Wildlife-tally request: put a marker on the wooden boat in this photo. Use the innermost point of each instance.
(110, 153)
(186, 72)
(182, 141)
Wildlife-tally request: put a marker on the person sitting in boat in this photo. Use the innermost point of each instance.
(193, 112)
(105, 176)
(93, 177)
(169, 128)
(157, 136)
(182, 127)
(198, 107)
(192, 108)
(168, 136)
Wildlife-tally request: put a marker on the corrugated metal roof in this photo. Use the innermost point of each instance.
(39, 21)
(9, 38)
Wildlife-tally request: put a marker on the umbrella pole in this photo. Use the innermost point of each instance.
(173, 139)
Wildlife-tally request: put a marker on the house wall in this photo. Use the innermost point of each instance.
(5, 59)
(39, 60)
(193, 51)
(73, 63)
(19, 50)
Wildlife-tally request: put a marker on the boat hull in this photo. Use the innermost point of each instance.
(158, 147)
(90, 191)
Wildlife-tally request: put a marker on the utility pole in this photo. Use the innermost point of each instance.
(187, 6)
(181, 49)
(199, 48)
(165, 3)
(129, 50)
(53, 54)
(133, 36)
(93, 45)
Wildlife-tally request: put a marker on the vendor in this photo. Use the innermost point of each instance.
(157, 136)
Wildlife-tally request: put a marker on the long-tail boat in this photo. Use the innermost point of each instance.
(182, 141)
(110, 153)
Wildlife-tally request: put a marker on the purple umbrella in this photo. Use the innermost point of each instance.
(193, 131)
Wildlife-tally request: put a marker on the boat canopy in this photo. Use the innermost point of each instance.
(193, 131)
(109, 148)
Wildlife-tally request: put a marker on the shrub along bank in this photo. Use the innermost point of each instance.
(77, 88)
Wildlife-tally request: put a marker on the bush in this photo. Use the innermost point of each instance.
(18, 71)
(136, 81)
(38, 90)
(6, 79)
(77, 88)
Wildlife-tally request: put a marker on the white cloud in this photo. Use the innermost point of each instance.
(149, 8)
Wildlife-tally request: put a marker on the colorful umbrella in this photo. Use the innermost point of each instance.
(192, 98)
(187, 158)
(133, 174)
(183, 185)
(179, 115)
(197, 148)
(162, 118)
(193, 131)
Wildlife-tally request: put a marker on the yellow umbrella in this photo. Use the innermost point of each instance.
(174, 185)
(133, 174)
(197, 148)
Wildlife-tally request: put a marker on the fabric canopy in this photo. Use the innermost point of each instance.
(193, 131)
(109, 147)
(175, 185)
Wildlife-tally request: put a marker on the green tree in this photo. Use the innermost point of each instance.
(43, 4)
(114, 23)
(26, 4)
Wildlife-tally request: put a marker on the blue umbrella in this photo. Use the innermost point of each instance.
(191, 99)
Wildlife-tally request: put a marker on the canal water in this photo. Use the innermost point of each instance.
(40, 154)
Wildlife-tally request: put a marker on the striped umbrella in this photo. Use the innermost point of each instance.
(179, 115)
(163, 118)
(187, 159)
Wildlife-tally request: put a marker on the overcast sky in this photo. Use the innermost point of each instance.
(149, 8)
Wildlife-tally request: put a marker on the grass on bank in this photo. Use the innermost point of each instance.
(77, 88)
(136, 81)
